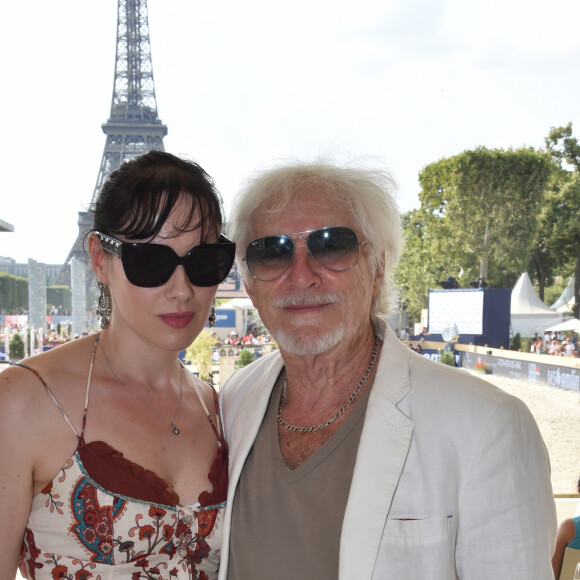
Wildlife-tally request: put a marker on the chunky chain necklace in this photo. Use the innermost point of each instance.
(326, 423)
(173, 423)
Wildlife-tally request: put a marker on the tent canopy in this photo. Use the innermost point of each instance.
(528, 314)
(566, 301)
(525, 300)
(570, 324)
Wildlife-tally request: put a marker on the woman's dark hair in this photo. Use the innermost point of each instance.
(137, 198)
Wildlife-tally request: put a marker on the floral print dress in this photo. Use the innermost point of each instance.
(105, 517)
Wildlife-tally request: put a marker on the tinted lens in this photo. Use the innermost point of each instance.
(149, 265)
(336, 248)
(268, 257)
(209, 264)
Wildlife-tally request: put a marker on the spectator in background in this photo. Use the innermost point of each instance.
(250, 338)
(569, 348)
(568, 537)
(554, 348)
(232, 338)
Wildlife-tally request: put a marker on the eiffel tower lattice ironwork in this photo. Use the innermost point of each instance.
(133, 126)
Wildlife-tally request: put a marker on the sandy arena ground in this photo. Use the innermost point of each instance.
(557, 412)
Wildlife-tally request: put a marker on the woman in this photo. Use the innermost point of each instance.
(568, 537)
(113, 461)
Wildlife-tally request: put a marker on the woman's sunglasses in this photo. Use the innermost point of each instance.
(336, 248)
(150, 265)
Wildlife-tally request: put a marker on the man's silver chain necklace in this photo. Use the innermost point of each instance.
(350, 400)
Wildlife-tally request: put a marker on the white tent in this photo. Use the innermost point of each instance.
(570, 324)
(566, 300)
(528, 313)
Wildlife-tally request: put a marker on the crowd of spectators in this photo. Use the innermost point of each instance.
(555, 343)
(249, 339)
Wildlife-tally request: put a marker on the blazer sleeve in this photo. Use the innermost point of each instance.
(507, 511)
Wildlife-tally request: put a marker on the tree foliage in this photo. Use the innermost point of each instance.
(421, 265)
(246, 357)
(478, 216)
(16, 347)
(59, 296)
(562, 215)
(13, 293)
(199, 353)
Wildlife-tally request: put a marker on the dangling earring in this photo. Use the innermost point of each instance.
(104, 305)
(211, 319)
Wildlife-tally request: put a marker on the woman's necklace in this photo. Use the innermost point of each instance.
(174, 422)
(324, 424)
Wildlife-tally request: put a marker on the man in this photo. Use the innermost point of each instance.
(352, 457)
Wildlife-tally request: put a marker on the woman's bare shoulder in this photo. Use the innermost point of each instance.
(70, 357)
(25, 383)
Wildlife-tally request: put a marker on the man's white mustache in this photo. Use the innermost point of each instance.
(306, 300)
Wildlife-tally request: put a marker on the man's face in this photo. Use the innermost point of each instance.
(310, 309)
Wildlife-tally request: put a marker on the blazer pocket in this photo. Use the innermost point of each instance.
(418, 548)
(420, 530)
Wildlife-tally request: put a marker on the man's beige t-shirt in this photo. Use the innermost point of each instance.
(286, 523)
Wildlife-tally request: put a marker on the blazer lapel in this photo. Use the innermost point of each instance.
(384, 444)
(242, 432)
(249, 415)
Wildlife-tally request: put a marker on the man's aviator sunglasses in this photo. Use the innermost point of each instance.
(149, 265)
(336, 248)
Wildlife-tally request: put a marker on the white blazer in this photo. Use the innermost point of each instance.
(451, 481)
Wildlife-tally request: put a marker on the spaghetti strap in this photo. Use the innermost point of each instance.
(80, 435)
(217, 430)
(50, 393)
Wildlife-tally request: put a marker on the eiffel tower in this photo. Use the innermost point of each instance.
(133, 126)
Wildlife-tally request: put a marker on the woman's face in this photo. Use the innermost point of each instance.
(169, 316)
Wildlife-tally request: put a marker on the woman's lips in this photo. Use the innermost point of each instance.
(177, 319)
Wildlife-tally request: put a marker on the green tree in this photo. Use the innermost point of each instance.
(421, 266)
(562, 209)
(16, 347)
(246, 357)
(13, 293)
(485, 203)
(199, 353)
(447, 357)
(59, 296)
(478, 216)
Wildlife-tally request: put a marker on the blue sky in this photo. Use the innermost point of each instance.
(242, 85)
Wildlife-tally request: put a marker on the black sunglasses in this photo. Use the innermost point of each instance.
(336, 248)
(150, 265)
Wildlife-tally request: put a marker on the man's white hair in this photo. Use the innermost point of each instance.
(366, 193)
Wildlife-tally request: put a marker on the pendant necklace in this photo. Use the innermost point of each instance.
(326, 423)
(173, 423)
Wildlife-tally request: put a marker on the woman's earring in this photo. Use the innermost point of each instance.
(104, 305)
(211, 319)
